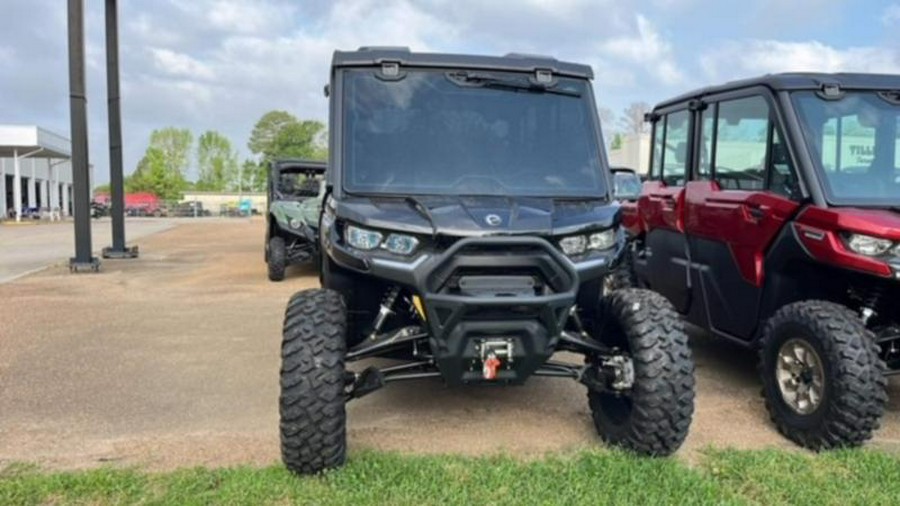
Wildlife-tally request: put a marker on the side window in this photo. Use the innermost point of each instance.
(675, 150)
(782, 176)
(749, 152)
(659, 132)
(741, 138)
(707, 137)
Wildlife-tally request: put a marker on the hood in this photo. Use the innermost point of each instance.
(480, 216)
(876, 222)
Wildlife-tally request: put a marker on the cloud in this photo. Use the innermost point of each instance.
(749, 58)
(7, 55)
(891, 15)
(221, 64)
(646, 48)
(169, 62)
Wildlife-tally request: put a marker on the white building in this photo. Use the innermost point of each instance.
(35, 172)
(634, 153)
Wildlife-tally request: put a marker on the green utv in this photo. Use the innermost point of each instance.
(295, 192)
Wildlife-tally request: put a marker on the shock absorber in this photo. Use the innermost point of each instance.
(386, 309)
(871, 301)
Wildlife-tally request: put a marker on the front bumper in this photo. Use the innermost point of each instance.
(462, 322)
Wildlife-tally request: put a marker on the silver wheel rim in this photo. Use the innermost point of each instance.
(800, 376)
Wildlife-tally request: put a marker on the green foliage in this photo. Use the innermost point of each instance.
(253, 176)
(616, 141)
(591, 477)
(217, 163)
(278, 134)
(153, 175)
(266, 129)
(175, 146)
(162, 169)
(102, 188)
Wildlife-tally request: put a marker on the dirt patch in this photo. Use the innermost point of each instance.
(172, 360)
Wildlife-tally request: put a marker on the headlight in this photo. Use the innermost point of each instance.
(602, 240)
(361, 238)
(295, 223)
(573, 245)
(367, 240)
(400, 244)
(868, 245)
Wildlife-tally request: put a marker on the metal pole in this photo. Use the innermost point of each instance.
(116, 178)
(81, 178)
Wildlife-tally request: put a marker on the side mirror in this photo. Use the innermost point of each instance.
(626, 185)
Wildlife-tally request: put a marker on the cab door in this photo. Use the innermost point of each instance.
(745, 191)
(663, 265)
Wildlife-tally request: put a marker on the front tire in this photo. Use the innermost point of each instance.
(652, 418)
(823, 380)
(313, 419)
(277, 261)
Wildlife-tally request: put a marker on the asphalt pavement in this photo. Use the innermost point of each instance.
(33, 245)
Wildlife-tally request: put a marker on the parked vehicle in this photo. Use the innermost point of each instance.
(772, 219)
(468, 226)
(295, 192)
(138, 204)
(99, 210)
(186, 209)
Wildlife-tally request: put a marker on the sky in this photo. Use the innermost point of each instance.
(221, 64)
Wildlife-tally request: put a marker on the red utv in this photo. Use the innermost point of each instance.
(771, 218)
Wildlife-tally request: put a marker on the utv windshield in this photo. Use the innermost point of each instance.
(855, 143)
(466, 133)
(298, 184)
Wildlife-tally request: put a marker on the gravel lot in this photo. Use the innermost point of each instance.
(172, 360)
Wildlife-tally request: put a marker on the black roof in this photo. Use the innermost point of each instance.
(796, 81)
(300, 165)
(368, 56)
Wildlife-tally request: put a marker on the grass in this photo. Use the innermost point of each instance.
(595, 477)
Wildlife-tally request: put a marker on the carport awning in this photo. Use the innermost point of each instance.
(21, 140)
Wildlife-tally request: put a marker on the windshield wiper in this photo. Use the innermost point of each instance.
(423, 210)
(478, 80)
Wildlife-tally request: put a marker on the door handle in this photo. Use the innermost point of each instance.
(756, 213)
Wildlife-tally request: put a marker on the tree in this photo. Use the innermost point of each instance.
(616, 141)
(632, 120)
(153, 175)
(174, 145)
(217, 163)
(162, 169)
(266, 129)
(253, 176)
(278, 134)
(301, 139)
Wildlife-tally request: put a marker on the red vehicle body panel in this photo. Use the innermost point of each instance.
(818, 229)
(661, 206)
(631, 218)
(746, 221)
